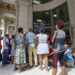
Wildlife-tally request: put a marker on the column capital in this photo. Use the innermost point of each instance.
(22, 2)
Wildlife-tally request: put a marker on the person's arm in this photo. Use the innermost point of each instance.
(1, 38)
(7, 44)
(35, 39)
(66, 52)
(26, 41)
(51, 53)
(54, 36)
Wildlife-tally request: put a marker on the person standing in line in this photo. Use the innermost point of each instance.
(26, 49)
(0, 39)
(12, 51)
(59, 48)
(31, 47)
(42, 47)
(20, 57)
(0, 44)
(5, 57)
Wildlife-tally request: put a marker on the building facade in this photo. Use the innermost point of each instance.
(45, 13)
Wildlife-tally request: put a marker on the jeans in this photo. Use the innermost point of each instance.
(5, 56)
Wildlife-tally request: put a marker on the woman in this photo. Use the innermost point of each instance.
(20, 58)
(12, 43)
(42, 47)
(59, 49)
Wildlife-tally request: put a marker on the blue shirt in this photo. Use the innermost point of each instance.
(69, 55)
(30, 39)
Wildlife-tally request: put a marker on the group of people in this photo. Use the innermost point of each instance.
(31, 48)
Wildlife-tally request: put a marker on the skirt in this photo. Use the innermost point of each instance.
(43, 48)
(20, 57)
(12, 52)
(5, 57)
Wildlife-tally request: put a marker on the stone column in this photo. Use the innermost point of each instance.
(71, 9)
(24, 14)
(0, 20)
(0, 1)
(30, 14)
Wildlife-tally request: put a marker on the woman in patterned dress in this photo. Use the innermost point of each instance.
(20, 57)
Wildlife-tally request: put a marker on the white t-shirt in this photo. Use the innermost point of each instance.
(42, 38)
(4, 43)
(60, 34)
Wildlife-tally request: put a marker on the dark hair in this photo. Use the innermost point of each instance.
(20, 29)
(60, 24)
(6, 35)
(42, 30)
(30, 29)
(13, 36)
(47, 31)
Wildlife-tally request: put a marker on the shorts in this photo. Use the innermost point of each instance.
(50, 57)
(58, 57)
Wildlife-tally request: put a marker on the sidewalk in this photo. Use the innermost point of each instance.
(9, 70)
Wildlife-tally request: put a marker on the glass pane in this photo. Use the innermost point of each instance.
(68, 35)
(61, 12)
(42, 18)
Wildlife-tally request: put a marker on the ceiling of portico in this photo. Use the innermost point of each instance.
(41, 1)
(34, 1)
(9, 1)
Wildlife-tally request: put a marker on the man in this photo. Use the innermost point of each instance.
(31, 47)
(5, 49)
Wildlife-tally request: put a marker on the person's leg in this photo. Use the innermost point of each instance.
(5, 57)
(62, 62)
(55, 59)
(15, 68)
(30, 56)
(20, 68)
(35, 56)
(54, 71)
(12, 59)
(27, 58)
(46, 61)
(40, 61)
(63, 70)
(50, 60)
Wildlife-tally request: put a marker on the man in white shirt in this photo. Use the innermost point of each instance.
(5, 49)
